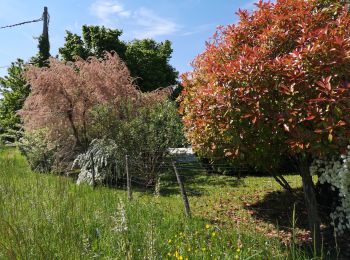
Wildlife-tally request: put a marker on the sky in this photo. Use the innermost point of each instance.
(188, 24)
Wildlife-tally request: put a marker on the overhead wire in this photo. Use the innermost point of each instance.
(19, 24)
(22, 23)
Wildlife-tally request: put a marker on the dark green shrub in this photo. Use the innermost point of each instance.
(144, 135)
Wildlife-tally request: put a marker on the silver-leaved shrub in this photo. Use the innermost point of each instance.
(336, 172)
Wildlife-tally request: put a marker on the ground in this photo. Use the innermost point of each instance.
(45, 216)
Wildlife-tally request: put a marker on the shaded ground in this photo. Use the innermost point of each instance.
(277, 208)
(195, 181)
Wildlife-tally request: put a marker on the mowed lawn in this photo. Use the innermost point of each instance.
(50, 217)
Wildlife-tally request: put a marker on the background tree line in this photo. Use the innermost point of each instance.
(147, 61)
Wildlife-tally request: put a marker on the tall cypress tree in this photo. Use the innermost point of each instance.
(41, 59)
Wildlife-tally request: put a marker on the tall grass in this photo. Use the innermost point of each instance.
(50, 217)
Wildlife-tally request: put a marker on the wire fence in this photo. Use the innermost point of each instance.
(176, 174)
(144, 167)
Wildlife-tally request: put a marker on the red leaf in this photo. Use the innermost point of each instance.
(310, 118)
(341, 123)
(246, 116)
(285, 90)
(325, 83)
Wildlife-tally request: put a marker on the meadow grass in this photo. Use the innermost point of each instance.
(50, 217)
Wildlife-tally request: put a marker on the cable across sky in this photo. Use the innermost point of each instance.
(22, 23)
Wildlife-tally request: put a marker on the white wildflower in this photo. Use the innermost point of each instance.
(120, 224)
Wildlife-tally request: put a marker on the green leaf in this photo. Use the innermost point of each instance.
(330, 137)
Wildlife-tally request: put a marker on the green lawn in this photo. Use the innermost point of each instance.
(49, 217)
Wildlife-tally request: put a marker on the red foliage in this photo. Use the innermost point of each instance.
(276, 82)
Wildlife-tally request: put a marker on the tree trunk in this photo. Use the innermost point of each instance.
(311, 204)
(281, 181)
(75, 131)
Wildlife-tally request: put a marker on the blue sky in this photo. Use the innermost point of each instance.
(187, 23)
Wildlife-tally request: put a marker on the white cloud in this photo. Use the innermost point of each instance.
(153, 25)
(76, 27)
(107, 11)
(145, 22)
(200, 29)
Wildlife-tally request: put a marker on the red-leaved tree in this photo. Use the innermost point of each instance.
(276, 83)
(64, 94)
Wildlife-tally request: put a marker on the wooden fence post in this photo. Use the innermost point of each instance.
(128, 177)
(183, 192)
(93, 171)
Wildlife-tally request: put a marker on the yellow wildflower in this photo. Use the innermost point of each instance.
(238, 250)
(213, 234)
(207, 226)
(169, 241)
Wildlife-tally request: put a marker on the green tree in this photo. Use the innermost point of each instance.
(95, 41)
(148, 62)
(41, 59)
(14, 90)
(73, 47)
